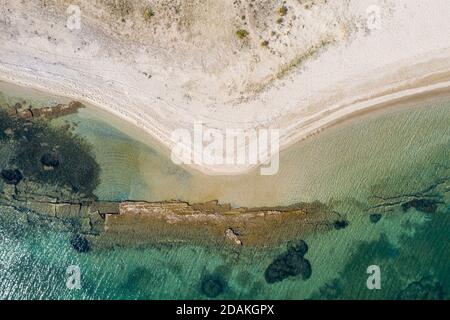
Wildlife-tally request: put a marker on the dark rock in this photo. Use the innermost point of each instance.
(50, 160)
(422, 205)
(12, 176)
(340, 224)
(288, 264)
(212, 285)
(80, 243)
(375, 217)
(299, 246)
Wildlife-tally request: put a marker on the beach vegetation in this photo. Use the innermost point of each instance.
(282, 11)
(148, 13)
(264, 43)
(242, 33)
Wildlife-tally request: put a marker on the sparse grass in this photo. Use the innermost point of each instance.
(241, 33)
(308, 54)
(285, 69)
(148, 13)
(264, 43)
(282, 11)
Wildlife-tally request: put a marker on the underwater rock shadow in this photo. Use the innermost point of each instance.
(289, 264)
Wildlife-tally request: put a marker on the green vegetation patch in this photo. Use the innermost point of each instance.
(148, 13)
(242, 34)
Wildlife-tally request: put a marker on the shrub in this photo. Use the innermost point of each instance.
(282, 11)
(241, 33)
(148, 13)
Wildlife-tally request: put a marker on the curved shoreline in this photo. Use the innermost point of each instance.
(159, 89)
(296, 132)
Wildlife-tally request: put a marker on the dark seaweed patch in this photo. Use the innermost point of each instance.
(299, 247)
(375, 217)
(140, 281)
(11, 176)
(212, 285)
(80, 243)
(340, 224)
(422, 205)
(289, 264)
(50, 159)
(39, 147)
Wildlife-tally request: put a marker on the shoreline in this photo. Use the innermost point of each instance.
(405, 98)
(203, 75)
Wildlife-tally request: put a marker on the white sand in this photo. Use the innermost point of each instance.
(202, 72)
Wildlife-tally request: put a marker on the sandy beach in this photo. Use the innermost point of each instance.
(188, 66)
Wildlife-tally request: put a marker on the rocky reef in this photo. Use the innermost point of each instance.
(46, 159)
(211, 223)
(289, 264)
(422, 205)
(23, 111)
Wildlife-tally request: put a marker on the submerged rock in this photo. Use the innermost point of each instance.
(50, 160)
(289, 264)
(299, 247)
(340, 224)
(375, 217)
(422, 205)
(40, 148)
(80, 243)
(212, 285)
(12, 176)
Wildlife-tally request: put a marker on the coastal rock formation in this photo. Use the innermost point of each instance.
(108, 224)
(60, 110)
(206, 223)
(231, 235)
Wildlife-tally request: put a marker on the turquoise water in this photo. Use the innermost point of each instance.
(406, 247)
(357, 168)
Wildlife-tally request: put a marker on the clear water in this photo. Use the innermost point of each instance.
(395, 153)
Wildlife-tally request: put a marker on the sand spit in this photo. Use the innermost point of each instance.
(297, 66)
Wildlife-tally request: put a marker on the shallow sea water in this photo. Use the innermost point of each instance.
(395, 153)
